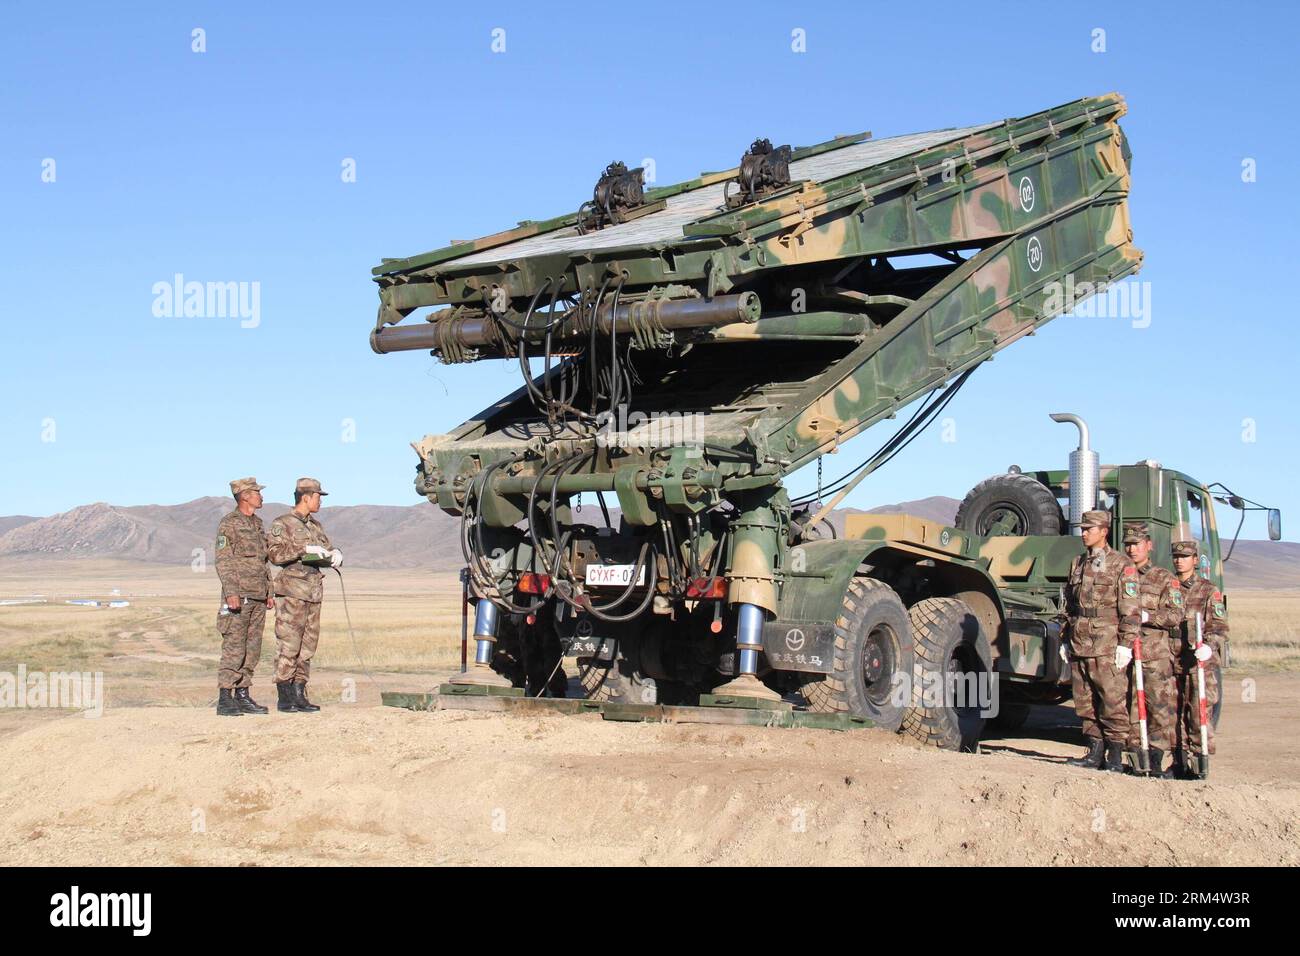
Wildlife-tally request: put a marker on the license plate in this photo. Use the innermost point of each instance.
(613, 575)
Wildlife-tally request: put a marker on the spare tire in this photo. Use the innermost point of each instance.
(1010, 505)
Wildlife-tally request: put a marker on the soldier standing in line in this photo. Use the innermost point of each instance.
(1102, 618)
(1200, 596)
(245, 598)
(299, 546)
(1162, 616)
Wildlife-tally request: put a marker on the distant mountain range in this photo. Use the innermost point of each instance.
(374, 536)
(413, 536)
(13, 521)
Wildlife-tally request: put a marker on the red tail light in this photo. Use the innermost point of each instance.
(707, 589)
(531, 583)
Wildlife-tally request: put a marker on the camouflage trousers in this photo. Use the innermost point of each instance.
(1100, 697)
(297, 630)
(1162, 704)
(241, 642)
(1188, 729)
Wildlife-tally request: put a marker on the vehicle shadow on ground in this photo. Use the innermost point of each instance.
(1055, 724)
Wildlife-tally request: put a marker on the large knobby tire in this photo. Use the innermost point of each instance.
(530, 658)
(1010, 505)
(948, 640)
(615, 682)
(873, 657)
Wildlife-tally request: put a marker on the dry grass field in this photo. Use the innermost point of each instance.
(1265, 629)
(165, 644)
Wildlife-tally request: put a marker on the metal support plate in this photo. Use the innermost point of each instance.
(478, 690)
(752, 716)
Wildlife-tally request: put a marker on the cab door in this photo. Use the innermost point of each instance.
(1196, 518)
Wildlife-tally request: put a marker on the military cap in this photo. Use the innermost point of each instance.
(1183, 549)
(308, 486)
(1095, 519)
(1137, 531)
(244, 484)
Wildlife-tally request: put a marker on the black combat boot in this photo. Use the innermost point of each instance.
(300, 698)
(1175, 771)
(288, 702)
(1135, 759)
(1114, 756)
(246, 703)
(1196, 768)
(1092, 758)
(226, 704)
(1157, 758)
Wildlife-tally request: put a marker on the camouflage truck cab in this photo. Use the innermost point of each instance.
(1013, 583)
(1019, 577)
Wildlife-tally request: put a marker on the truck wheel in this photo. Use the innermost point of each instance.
(615, 681)
(1010, 505)
(949, 643)
(873, 655)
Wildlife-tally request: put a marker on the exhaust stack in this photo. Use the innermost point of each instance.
(1085, 472)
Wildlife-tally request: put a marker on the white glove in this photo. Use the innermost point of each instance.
(1204, 653)
(336, 558)
(1145, 617)
(1065, 652)
(1123, 656)
(316, 551)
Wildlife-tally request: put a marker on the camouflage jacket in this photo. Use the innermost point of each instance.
(241, 556)
(290, 535)
(1101, 603)
(1201, 597)
(1162, 599)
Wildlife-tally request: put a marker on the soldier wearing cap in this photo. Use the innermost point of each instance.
(1162, 616)
(299, 546)
(1101, 618)
(245, 598)
(1200, 597)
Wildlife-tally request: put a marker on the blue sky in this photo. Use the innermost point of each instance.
(225, 166)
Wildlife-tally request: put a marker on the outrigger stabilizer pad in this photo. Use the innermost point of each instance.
(480, 674)
(747, 685)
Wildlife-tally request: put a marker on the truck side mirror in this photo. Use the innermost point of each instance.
(1274, 524)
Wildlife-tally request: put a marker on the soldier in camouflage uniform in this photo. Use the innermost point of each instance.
(1200, 596)
(299, 546)
(1101, 615)
(245, 598)
(1162, 617)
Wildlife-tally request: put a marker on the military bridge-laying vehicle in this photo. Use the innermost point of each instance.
(685, 348)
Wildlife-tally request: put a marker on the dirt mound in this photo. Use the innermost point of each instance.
(375, 785)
